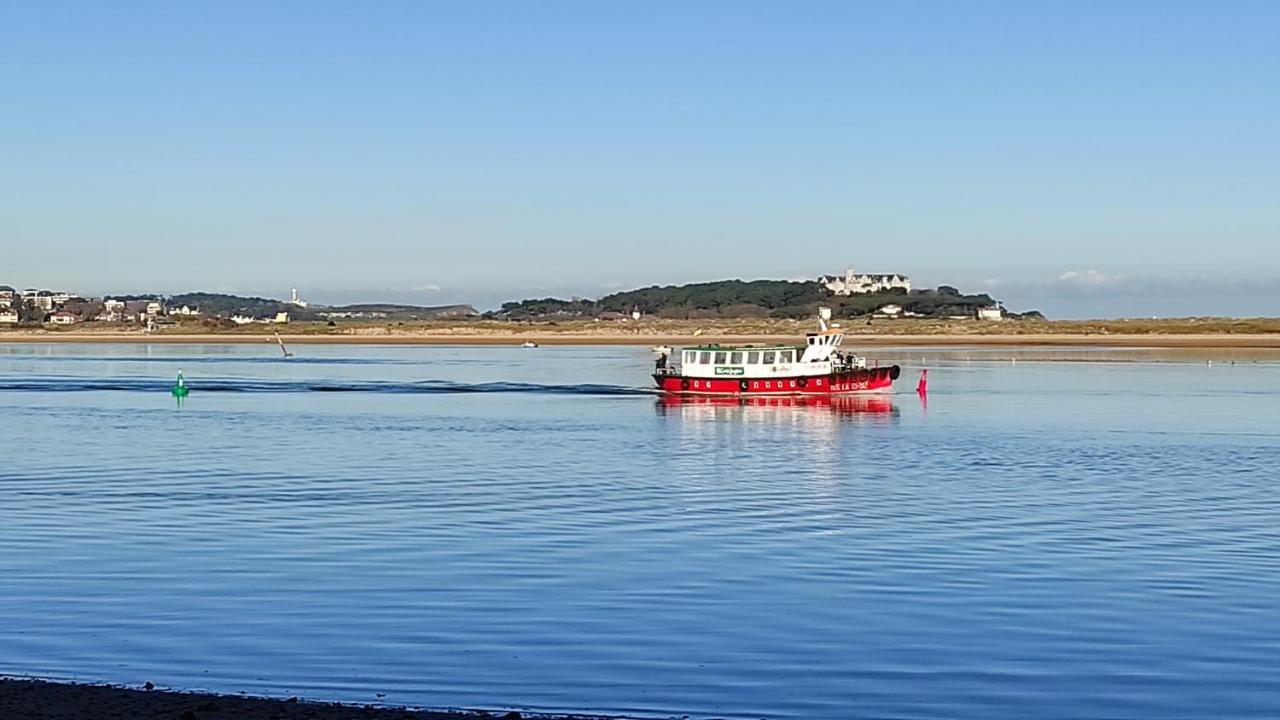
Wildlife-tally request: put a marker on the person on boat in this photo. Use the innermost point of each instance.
(661, 362)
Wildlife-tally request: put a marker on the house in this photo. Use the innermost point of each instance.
(62, 317)
(991, 312)
(852, 283)
(7, 296)
(42, 299)
(84, 309)
(241, 319)
(8, 316)
(112, 311)
(135, 310)
(281, 318)
(185, 311)
(154, 309)
(889, 311)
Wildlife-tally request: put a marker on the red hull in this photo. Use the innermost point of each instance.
(857, 381)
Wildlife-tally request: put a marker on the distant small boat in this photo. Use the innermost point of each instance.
(528, 344)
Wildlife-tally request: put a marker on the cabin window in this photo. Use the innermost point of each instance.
(785, 356)
(735, 358)
(753, 358)
(768, 358)
(720, 358)
(705, 358)
(689, 358)
(811, 340)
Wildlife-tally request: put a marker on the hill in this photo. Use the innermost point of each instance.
(738, 298)
(399, 312)
(221, 305)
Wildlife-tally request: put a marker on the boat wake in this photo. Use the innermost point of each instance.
(236, 385)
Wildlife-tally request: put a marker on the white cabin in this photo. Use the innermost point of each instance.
(819, 356)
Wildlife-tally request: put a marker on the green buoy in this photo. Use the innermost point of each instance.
(180, 387)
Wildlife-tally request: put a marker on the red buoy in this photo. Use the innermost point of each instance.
(922, 387)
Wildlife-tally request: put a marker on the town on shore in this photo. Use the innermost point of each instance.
(852, 295)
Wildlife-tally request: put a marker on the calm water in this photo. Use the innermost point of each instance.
(471, 527)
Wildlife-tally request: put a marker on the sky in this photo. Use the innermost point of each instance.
(1087, 159)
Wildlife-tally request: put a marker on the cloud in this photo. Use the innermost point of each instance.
(1087, 277)
(427, 288)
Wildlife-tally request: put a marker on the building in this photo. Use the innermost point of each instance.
(154, 309)
(295, 300)
(112, 311)
(8, 316)
(135, 310)
(281, 318)
(889, 311)
(84, 309)
(185, 311)
(7, 296)
(241, 319)
(852, 283)
(42, 299)
(63, 317)
(991, 312)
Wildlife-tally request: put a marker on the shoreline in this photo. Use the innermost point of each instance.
(53, 700)
(1243, 341)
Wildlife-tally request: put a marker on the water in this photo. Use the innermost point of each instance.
(497, 527)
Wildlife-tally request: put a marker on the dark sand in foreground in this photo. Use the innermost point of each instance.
(41, 700)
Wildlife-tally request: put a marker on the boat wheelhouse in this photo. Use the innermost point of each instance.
(819, 367)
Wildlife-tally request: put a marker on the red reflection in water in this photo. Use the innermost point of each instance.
(840, 404)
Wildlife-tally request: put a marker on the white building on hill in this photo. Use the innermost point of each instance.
(852, 283)
(991, 313)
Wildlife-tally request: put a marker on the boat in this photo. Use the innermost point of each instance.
(818, 367)
(528, 344)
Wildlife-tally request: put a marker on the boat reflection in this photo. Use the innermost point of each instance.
(872, 408)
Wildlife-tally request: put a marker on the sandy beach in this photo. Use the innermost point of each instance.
(1205, 333)
(42, 700)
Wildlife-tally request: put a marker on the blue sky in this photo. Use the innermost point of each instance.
(1061, 155)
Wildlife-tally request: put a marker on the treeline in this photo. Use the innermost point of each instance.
(738, 298)
(220, 305)
(217, 304)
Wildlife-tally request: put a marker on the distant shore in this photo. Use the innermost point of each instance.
(1250, 342)
(1186, 333)
(44, 700)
